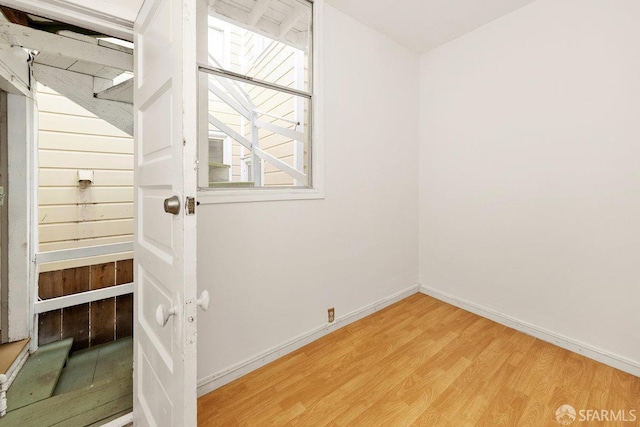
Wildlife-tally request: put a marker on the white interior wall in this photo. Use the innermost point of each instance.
(274, 268)
(529, 177)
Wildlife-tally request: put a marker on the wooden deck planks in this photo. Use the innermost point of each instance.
(78, 373)
(420, 362)
(97, 365)
(94, 387)
(80, 407)
(39, 376)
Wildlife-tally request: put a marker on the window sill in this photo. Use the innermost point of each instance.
(223, 195)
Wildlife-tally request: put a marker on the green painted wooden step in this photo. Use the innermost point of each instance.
(39, 375)
(95, 365)
(218, 171)
(216, 165)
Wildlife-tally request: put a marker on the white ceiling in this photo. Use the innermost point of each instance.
(422, 25)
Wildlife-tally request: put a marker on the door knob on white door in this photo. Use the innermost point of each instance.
(204, 300)
(162, 314)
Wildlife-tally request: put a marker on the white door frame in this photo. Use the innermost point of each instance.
(22, 147)
(22, 123)
(4, 223)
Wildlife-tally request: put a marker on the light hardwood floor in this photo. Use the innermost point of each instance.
(422, 362)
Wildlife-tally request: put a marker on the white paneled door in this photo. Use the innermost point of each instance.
(165, 226)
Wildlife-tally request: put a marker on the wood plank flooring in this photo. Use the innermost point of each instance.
(39, 376)
(9, 353)
(422, 362)
(94, 387)
(104, 363)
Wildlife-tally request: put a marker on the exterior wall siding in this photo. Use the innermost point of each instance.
(70, 214)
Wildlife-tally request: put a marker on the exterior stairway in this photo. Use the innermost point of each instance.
(86, 388)
(218, 171)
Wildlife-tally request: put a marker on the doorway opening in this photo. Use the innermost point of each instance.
(80, 369)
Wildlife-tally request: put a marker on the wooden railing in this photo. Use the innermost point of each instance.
(93, 304)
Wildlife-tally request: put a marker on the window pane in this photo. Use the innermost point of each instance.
(269, 41)
(257, 136)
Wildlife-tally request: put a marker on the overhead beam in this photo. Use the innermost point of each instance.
(289, 22)
(77, 14)
(29, 38)
(264, 27)
(15, 16)
(258, 10)
(79, 89)
(14, 70)
(122, 92)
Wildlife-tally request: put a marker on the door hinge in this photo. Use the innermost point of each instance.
(191, 205)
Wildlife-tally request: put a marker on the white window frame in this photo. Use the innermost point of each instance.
(316, 191)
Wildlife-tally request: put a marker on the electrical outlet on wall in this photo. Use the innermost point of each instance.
(332, 314)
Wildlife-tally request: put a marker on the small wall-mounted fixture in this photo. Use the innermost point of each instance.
(85, 177)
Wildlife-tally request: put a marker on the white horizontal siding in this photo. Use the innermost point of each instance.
(72, 215)
(73, 196)
(85, 230)
(78, 125)
(101, 178)
(84, 212)
(86, 143)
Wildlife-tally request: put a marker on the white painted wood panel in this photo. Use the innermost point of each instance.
(71, 195)
(83, 125)
(85, 230)
(86, 143)
(84, 160)
(88, 212)
(101, 178)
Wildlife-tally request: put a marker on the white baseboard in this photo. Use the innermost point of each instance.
(221, 378)
(597, 354)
